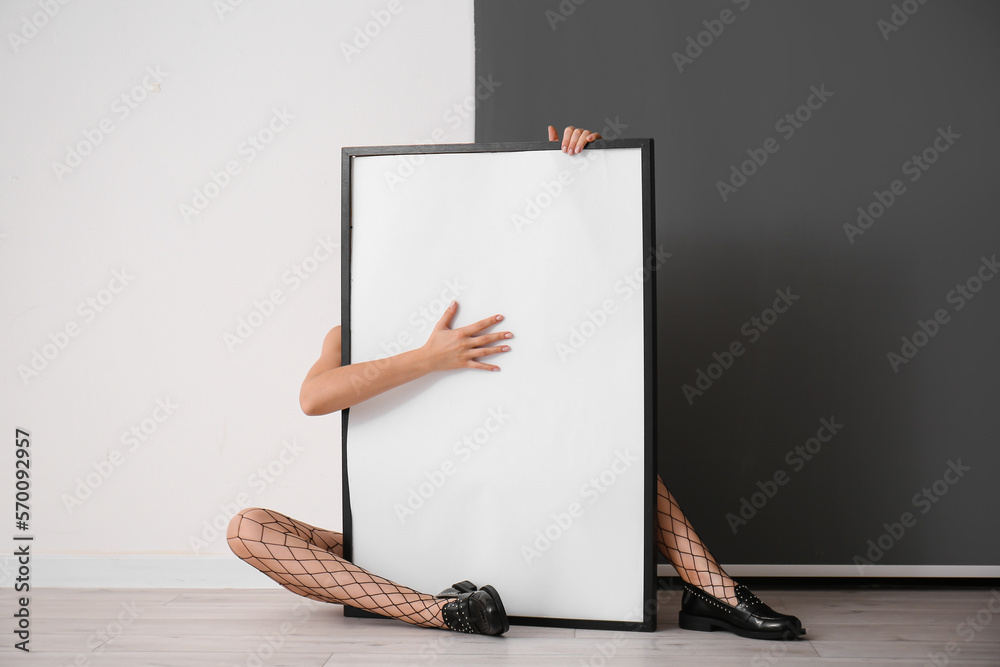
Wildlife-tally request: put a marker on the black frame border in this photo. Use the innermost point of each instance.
(650, 606)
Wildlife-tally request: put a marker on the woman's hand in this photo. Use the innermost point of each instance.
(574, 138)
(448, 348)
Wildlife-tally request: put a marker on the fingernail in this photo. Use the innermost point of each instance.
(505, 348)
(496, 368)
(508, 335)
(499, 317)
(452, 305)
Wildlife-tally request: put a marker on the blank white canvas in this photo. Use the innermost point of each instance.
(530, 479)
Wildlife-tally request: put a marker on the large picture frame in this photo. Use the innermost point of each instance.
(540, 479)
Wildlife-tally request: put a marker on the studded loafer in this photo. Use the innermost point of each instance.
(749, 618)
(472, 610)
(458, 589)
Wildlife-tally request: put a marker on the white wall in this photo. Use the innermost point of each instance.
(202, 78)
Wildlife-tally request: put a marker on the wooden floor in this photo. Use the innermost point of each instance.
(271, 628)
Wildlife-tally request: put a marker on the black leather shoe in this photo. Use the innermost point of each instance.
(475, 611)
(750, 618)
(457, 589)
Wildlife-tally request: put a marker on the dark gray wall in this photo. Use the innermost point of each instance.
(826, 357)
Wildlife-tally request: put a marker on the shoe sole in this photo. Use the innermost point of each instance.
(499, 604)
(703, 624)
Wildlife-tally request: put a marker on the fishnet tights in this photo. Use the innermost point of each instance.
(309, 561)
(679, 543)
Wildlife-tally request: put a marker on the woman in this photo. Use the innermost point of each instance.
(309, 561)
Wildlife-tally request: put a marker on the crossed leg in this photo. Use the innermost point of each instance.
(309, 561)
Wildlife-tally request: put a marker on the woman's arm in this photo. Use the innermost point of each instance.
(330, 387)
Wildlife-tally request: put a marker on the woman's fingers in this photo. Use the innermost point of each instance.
(580, 139)
(567, 135)
(475, 351)
(468, 343)
(574, 138)
(449, 313)
(476, 327)
(479, 341)
(485, 351)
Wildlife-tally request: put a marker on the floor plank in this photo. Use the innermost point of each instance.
(187, 627)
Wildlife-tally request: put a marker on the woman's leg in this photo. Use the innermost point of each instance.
(679, 543)
(309, 561)
(746, 615)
